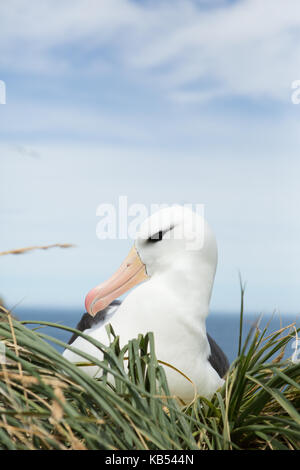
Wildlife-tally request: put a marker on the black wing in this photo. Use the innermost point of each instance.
(87, 321)
(217, 358)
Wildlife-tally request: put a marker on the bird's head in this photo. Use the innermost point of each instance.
(174, 239)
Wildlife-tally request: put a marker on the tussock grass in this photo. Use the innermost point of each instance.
(47, 402)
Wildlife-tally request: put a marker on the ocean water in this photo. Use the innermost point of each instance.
(224, 328)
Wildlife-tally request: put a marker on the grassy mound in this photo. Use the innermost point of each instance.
(47, 402)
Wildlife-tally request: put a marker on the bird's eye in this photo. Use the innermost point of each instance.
(157, 237)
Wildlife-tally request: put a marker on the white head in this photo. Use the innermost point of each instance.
(174, 243)
(172, 235)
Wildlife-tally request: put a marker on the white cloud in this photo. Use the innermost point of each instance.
(30, 31)
(248, 48)
(61, 119)
(185, 97)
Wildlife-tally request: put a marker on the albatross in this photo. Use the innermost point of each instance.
(172, 266)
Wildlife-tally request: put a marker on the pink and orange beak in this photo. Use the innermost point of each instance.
(131, 272)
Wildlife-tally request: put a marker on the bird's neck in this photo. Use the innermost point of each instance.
(189, 289)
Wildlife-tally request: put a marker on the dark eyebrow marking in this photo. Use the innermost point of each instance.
(158, 236)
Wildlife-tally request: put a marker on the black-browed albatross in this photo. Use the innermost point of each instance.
(173, 260)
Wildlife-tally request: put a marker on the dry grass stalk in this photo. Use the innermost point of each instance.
(21, 251)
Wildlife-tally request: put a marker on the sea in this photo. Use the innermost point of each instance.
(223, 327)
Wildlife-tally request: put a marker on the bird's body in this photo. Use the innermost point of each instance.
(173, 303)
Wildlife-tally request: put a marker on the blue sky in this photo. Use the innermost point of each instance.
(162, 101)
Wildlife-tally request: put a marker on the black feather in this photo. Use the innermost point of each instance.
(217, 358)
(87, 321)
